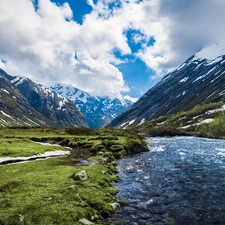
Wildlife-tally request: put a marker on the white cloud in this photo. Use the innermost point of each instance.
(2, 65)
(42, 42)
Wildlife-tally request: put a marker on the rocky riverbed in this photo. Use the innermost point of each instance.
(181, 180)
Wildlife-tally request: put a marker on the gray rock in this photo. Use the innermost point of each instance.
(82, 175)
(74, 187)
(85, 222)
(115, 206)
(95, 217)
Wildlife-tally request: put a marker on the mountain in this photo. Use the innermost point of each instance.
(24, 102)
(97, 110)
(200, 79)
(14, 108)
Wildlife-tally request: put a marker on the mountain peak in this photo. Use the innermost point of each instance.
(24, 102)
(211, 52)
(200, 79)
(98, 110)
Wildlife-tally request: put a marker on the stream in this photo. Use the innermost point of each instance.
(180, 181)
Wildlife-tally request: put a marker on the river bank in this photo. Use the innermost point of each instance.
(49, 191)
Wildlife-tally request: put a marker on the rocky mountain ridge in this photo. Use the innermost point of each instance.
(98, 110)
(25, 103)
(201, 78)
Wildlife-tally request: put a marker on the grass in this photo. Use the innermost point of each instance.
(13, 147)
(85, 142)
(37, 192)
(173, 124)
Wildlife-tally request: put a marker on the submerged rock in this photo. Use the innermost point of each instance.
(115, 206)
(136, 149)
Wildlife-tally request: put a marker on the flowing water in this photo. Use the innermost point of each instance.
(180, 181)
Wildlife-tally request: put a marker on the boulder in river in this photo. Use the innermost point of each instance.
(136, 149)
(115, 206)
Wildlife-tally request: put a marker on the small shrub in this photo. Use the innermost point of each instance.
(120, 155)
(116, 148)
(107, 211)
(79, 131)
(64, 142)
(72, 144)
(97, 148)
(9, 186)
(107, 143)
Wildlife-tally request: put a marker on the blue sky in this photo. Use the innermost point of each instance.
(105, 47)
(135, 73)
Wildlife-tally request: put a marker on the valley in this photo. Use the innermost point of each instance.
(84, 186)
(112, 112)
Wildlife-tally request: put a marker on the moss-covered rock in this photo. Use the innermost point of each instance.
(98, 147)
(82, 175)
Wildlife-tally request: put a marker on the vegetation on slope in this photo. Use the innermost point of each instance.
(203, 120)
(45, 192)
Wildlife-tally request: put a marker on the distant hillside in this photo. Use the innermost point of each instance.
(97, 110)
(201, 79)
(25, 103)
(203, 120)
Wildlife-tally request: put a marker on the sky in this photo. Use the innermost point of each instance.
(105, 47)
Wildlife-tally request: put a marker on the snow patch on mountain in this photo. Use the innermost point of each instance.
(62, 103)
(183, 80)
(98, 110)
(5, 114)
(133, 100)
(211, 53)
(4, 90)
(18, 80)
(199, 78)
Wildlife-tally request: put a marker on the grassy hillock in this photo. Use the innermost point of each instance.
(45, 192)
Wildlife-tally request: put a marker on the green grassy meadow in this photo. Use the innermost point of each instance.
(43, 192)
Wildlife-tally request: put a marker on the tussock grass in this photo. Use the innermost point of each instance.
(37, 193)
(14, 147)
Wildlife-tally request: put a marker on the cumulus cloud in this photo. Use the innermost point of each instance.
(44, 43)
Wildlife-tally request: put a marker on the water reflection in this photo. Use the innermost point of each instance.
(180, 181)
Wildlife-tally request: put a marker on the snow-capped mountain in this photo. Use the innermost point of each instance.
(199, 79)
(97, 110)
(23, 102)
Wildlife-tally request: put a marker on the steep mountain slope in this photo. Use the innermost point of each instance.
(14, 108)
(200, 79)
(97, 110)
(52, 106)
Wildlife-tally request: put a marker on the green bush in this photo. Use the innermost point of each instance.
(98, 147)
(108, 143)
(120, 155)
(116, 148)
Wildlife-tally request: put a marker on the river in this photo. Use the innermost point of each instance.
(180, 181)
